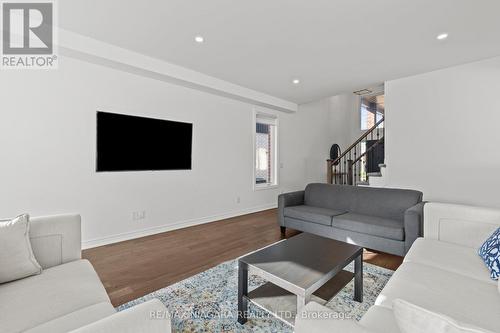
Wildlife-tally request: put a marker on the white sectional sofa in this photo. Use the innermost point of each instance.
(67, 295)
(442, 273)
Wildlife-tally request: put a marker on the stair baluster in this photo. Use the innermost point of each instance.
(350, 167)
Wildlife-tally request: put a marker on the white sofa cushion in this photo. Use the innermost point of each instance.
(450, 257)
(75, 319)
(151, 317)
(459, 224)
(415, 319)
(453, 295)
(17, 260)
(57, 292)
(315, 318)
(56, 239)
(380, 319)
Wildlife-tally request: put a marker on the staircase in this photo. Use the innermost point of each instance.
(362, 163)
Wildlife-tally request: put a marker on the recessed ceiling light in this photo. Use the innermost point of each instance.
(199, 39)
(442, 36)
(295, 81)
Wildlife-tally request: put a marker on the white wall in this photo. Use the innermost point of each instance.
(311, 132)
(443, 133)
(345, 119)
(305, 144)
(47, 149)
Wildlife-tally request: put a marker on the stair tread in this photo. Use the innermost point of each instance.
(374, 174)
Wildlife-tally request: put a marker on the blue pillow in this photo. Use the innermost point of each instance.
(490, 252)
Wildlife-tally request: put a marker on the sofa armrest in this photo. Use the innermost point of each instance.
(414, 224)
(148, 317)
(56, 239)
(315, 318)
(286, 200)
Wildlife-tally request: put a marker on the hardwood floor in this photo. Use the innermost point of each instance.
(137, 267)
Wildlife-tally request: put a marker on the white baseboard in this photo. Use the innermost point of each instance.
(86, 244)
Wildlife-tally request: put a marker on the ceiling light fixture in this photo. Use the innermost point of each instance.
(199, 39)
(295, 81)
(442, 36)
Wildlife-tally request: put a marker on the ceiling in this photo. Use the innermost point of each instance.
(332, 46)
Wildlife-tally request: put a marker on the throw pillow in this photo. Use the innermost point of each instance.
(490, 252)
(414, 319)
(17, 260)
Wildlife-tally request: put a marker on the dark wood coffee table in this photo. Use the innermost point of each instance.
(300, 266)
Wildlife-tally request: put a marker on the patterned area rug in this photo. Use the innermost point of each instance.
(207, 302)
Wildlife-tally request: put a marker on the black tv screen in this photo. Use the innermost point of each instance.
(131, 143)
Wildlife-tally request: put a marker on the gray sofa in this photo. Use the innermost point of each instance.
(382, 219)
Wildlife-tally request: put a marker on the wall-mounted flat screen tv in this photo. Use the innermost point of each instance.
(131, 143)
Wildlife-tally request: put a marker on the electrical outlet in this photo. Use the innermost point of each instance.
(139, 215)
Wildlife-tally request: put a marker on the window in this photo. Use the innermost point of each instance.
(372, 110)
(265, 151)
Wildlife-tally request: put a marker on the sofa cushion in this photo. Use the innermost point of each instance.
(315, 318)
(448, 256)
(148, 317)
(454, 295)
(57, 292)
(460, 224)
(371, 225)
(415, 319)
(75, 319)
(312, 214)
(17, 260)
(490, 252)
(56, 239)
(383, 202)
(337, 197)
(380, 320)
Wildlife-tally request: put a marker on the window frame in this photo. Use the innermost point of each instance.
(373, 93)
(275, 156)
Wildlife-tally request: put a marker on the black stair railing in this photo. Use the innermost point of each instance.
(350, 168)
